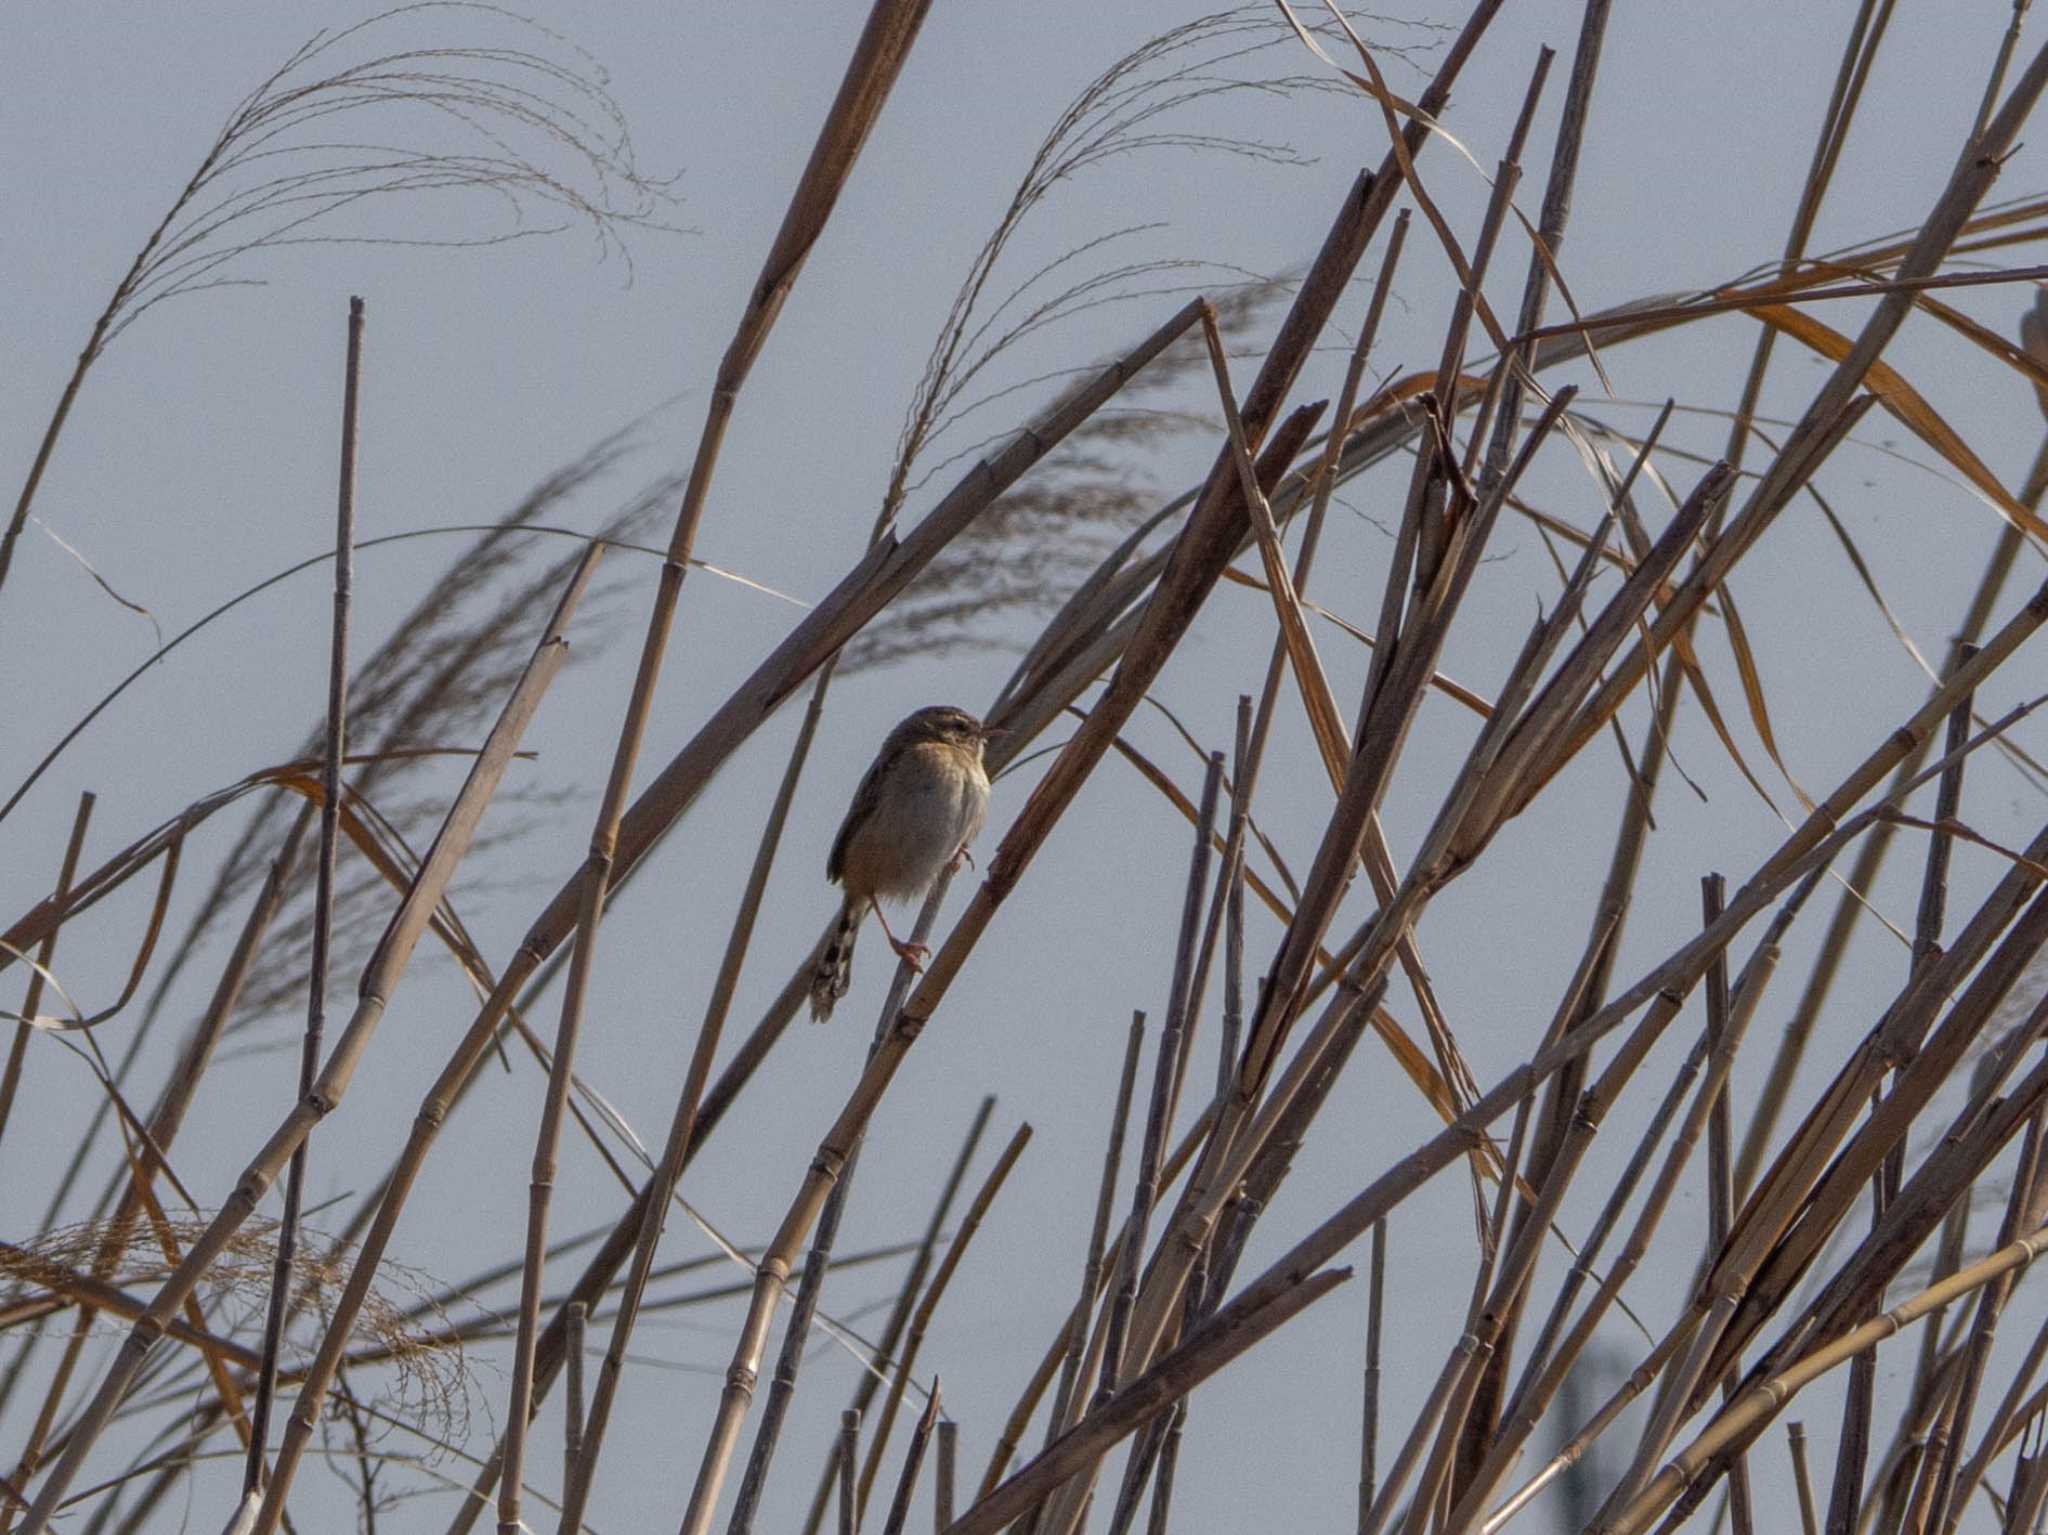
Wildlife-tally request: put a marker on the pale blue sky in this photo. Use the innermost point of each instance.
(200, 459)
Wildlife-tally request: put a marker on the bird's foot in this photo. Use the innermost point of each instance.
(912, 954)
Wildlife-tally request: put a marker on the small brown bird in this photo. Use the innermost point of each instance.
(919, 806)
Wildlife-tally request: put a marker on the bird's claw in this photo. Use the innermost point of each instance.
(912, 954)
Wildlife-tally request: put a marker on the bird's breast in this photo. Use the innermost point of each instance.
(929, 806)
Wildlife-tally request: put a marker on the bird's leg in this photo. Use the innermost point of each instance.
(963, 853)
(912, 954)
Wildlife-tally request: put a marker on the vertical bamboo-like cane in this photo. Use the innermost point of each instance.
(323, 900)
(387, 962)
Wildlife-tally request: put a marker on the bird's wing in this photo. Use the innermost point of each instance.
(863, 800)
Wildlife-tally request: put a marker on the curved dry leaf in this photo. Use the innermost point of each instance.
(43, 1020)
(166, 841)
(1448, 686)
(1988, 340)
(99, 580)
(1753, 691)
(1689, 663)
(1950, 826)
(1909, 406)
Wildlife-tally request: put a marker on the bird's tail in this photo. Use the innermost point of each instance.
(835, 967)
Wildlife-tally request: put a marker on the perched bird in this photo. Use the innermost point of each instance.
(916, 810)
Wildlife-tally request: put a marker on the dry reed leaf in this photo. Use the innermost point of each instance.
(1905, 402)
(1753, 691)
(1449, 687)
(1376, 89)
(98, 580)
(1950, 826)
(77, 1020)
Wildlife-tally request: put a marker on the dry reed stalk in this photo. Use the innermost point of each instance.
(1365, 778)
(943, 1472)
(1152, 1144)
(1243, 768)
(1076, 1353)
(1701, 1335)
(887, 568)
(576, 1314)
(165, 1122)
(1720, 1182)
(683, 1123)
(1669, 980)
(1199, 556)
(1320, 1062)
(1093, 1277)
(1637, 1382)
(1853, 1457)
(2022, 1210)
(1546, 1369)
(1369, 1423)
(797, 1330)
(385, 966)
(849, 1452)
(32, 1450)
(1813, 437)
(1849, 908)
(2030, 1190)
(1499, 476)
(1763, 1402)
(1802, 1482)
(1165, 1382)
(1726, 1039)
(1299, 648)
(878, 56)
(1904, 1224)
(1550, 234)
(1928, 1062)
(1169, 1458)
(913, 1461)
(920, 1322)
(2028, 1496)
(46, 954)
(1908, 1220)
(1854, 69)
(783, 1385)
(323, 901)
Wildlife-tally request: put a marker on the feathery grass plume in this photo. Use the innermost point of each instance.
(1034, 545)
(433, 681)
(340, 129)
(436, 683)
(424, 1379)
(1029, 550)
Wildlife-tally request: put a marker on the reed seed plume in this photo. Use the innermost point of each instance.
(355, 121)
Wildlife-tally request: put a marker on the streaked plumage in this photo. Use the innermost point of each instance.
(921, 803)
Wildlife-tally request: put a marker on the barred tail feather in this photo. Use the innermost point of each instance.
(835, 968)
